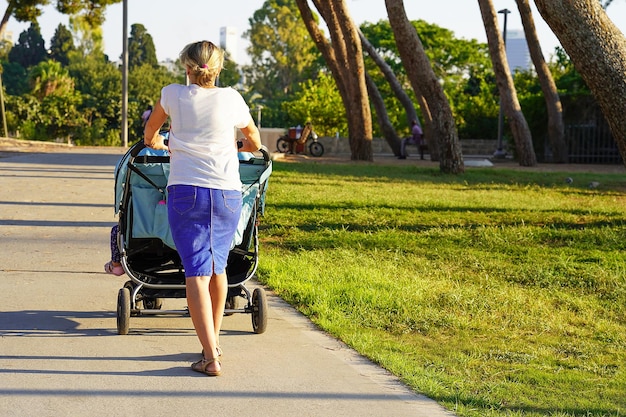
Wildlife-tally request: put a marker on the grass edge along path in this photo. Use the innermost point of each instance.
(497, 293)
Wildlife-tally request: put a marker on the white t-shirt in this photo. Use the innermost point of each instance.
(202, 144)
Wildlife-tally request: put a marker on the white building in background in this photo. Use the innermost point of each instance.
(171, 66)
(517, 51)
(7, 36)
(228, 41)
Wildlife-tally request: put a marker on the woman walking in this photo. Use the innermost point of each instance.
(204, 189)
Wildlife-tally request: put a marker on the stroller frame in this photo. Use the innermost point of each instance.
(148, 256)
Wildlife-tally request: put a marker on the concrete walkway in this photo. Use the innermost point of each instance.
(60, 354)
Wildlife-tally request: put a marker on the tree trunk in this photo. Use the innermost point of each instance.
(395, 85)
(6, 17)
(427, 128)
(508, 95)
(404, 99)
(388, 130)
(556, 129)
(344, 57)
(425, 82)
(598, 50)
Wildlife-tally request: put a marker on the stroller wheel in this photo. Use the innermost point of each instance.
(259, 310)
(123, 311)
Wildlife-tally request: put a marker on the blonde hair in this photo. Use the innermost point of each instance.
(204, 60)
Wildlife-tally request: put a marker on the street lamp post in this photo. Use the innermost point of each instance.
(125, 74)
(4, 115)
(500, 152)
(259, 109)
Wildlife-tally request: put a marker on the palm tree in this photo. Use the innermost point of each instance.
(504, 80)
(48, 78)
(556, 129)
(425, 83)
(344, 57)
(598, 50)
(381, 112)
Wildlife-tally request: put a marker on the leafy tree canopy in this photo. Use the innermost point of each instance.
(50, 78)
(62, 45)
(141, 49)
(29, 49)
(282, 53)
(463, 66)
(317, 103)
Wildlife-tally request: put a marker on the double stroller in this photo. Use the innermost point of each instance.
(148, 253)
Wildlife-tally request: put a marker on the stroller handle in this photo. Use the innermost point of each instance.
(140, 145)
(265, 152)
(137, 147)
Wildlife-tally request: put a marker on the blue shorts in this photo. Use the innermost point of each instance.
(203, 222)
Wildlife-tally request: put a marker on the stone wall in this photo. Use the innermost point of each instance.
(336, 146)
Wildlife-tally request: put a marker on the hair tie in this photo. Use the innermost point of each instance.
(205, 66)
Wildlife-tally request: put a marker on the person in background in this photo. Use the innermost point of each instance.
(204, 188)
(144, 119)
(416, 138)
(145, 116)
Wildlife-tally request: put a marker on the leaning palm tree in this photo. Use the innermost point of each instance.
(598, 50)
(425, 83)
(508, 96)
(343, 54)
(556, 129)
(48, 78)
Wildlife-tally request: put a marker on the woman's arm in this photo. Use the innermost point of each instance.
(252, 141)
(151, 137)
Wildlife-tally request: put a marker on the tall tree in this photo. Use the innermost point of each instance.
(283, 56)
(100, 84)
(14, 78)
(424, 82)
(48, 78)
(29, 49)
(598, 51)
(230, 75)
(465, 71)
(30, 10)
(388, 130)
(318, 102)
(62, 45)
(381, 113)
(88, 36)
(344, 57)
(508, 96)
(141, 49)
(556, 128)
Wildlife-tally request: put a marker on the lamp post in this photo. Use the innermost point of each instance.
(4, 115)
(500, 152)
(259, 109)
(125, 74)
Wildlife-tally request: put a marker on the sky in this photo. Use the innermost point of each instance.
(172, 25)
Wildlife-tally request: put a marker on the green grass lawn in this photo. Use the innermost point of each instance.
(497, 292)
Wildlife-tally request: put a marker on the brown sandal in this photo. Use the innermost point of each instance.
(202, 365)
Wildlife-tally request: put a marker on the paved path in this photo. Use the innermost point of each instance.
(60, 354)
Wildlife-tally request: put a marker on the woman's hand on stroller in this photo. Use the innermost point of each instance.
(158, 143)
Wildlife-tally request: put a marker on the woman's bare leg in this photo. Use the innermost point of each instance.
(201, 312)
(218, 287)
